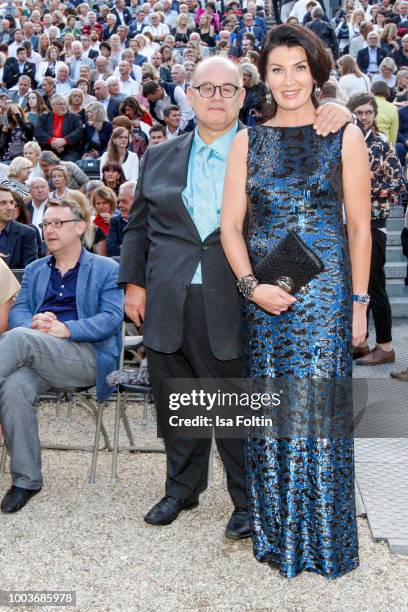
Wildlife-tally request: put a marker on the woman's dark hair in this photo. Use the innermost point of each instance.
(105, 45)
(112, 166)
(41, 105)
(82, 80)
(380, 88)
(361, 99)
(11, 21)
(287, 35)
(23, 215)
(134, 105)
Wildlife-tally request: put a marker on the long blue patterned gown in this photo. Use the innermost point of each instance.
(301, 490)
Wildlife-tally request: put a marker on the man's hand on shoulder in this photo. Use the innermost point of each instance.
(331, 117)
(135, 301)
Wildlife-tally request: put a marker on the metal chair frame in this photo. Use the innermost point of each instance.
(120, 413)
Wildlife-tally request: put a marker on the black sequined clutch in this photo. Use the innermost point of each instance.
(291, 265)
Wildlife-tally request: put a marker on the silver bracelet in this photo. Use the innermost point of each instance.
(247, 285)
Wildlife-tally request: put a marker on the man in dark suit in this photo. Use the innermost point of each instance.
(60, 131)
(370, 58)
(250, 28)
(109, 103)
(18, 242)
(118, 223)
(122, 14)
(174, 322)
(15, 67)
(172, 255)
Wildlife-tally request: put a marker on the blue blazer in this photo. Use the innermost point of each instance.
(100, 309)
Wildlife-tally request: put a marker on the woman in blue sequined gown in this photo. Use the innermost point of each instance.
(282, 176)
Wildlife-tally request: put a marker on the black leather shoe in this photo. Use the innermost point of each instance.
(16, 498)
(238, 526)
(167, 510)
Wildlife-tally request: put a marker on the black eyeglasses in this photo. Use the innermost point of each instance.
(207, 90)
(56, 224)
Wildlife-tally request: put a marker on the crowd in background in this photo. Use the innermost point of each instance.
(85, 88)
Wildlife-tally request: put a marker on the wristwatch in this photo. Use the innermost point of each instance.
(354, 119)
(362, 298)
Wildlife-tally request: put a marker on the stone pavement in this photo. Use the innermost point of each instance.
(93, 540)
(381, 447)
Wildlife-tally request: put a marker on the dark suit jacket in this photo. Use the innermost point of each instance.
(21, 248)
(11, 72)
(363, 59)
(117, 227)
(257, 32)
(126, 14)
(72, 130)
(113, 108)
(104, 135)
(162, 249)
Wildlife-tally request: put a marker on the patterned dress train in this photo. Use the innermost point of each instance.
(300, 490)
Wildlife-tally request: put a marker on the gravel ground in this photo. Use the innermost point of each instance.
(93, 540)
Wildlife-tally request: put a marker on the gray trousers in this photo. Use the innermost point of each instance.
(31, 363)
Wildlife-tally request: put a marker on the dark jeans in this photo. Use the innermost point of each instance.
(187, 458)
(379, 302)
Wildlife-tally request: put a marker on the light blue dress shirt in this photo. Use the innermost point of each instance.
(205, 184)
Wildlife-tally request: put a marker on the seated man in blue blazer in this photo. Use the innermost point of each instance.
(64, 332)
(18, 242)
(118, 223)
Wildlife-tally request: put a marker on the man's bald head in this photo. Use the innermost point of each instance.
(217, 114)
(221, 66)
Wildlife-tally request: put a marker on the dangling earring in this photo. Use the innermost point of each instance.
(316, 90)
(268, 95)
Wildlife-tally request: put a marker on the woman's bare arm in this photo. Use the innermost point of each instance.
(357, 204)
(234, 208)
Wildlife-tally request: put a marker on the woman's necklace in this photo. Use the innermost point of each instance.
(60, 197)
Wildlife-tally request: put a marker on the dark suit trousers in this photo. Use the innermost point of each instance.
(187, 458)
(379, 303)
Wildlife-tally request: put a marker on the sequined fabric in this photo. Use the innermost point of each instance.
(301, 490)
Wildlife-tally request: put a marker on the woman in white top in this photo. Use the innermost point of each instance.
(388, 69)
(32, 151)
(9, 286)
(352, 80)
(118, 152)
(50, 66)
(60, 178)
(150, 46)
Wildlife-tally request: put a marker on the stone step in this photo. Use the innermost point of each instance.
(399, 306)
(394, 253)
(396, 212)
(394, 225)
(395, 269)
(396, 287)
(394, 238)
